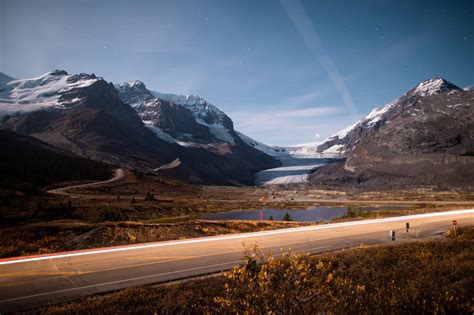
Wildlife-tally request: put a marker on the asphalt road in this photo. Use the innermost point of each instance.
(63, 190)
(28, 282)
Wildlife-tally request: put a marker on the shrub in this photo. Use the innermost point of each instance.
(430, 277)
(149, 196)
(110, 214)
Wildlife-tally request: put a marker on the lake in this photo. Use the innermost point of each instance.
(312, 214)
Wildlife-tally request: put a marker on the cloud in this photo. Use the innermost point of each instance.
(303, 24)
(288, 127)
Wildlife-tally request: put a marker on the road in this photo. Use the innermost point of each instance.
(63, 190)
(28, 282)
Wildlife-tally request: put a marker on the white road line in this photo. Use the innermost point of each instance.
(145, 277)
(243, 235)
(115, 282)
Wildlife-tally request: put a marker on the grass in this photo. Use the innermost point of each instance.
(434, 276)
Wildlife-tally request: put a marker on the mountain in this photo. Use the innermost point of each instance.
(425, 138)
(219, 124)
(19, 171)
(84, 114)
(275, 151)
(192, 122)
(4, 79)
(171, 121)
(345, 140)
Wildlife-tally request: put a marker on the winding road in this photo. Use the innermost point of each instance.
(62, 191)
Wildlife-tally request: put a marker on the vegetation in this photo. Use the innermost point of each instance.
(357, 213)
(27, 164)
(422, 277)
(287, 217)
(110, 214)
(149, 196)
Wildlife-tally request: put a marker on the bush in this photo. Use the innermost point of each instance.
(110, 214)
(431, 277)
(149, 196)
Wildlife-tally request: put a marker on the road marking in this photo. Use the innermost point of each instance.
(80, 273)
(242, 235)
(148, 276)
(117, 281)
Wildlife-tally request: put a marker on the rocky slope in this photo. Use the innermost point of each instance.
(20, 171)
(345, 140)
(85, 114)
(425, 138)
(192, 122)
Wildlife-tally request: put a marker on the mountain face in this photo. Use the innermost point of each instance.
(50, 165)
(85, 114)
(191, 122)
(425, 138)
(346, 139)
(82, 114)
(170, 121)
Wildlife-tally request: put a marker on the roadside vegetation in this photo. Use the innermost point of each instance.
(434, 276)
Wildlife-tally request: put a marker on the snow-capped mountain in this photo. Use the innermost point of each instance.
(425, 138)
(344, 141)
(275, 151)
(49, 90)
(185, 120)
(85, 114)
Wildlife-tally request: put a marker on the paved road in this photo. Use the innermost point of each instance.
(28, 282)
(63, 190)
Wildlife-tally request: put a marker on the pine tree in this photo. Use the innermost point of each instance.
(149, 196)
(287, 217)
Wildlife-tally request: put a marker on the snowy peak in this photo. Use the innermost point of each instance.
(51, 89)
(433, 86)
(348, 137)
(135, 93)
(188, 119)
(204, 112)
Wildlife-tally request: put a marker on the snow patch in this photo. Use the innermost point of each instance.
(335, 149)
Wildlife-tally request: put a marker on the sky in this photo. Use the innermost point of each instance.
(286, 72)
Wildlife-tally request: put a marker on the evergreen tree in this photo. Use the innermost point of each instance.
(149, 196)
(287, 217)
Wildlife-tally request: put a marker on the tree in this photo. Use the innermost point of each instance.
(287, 217)
(149, 196)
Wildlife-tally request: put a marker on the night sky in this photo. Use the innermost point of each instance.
(286, 72)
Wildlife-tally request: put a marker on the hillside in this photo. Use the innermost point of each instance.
(427, 142)
(85, 114)
(27, 164)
